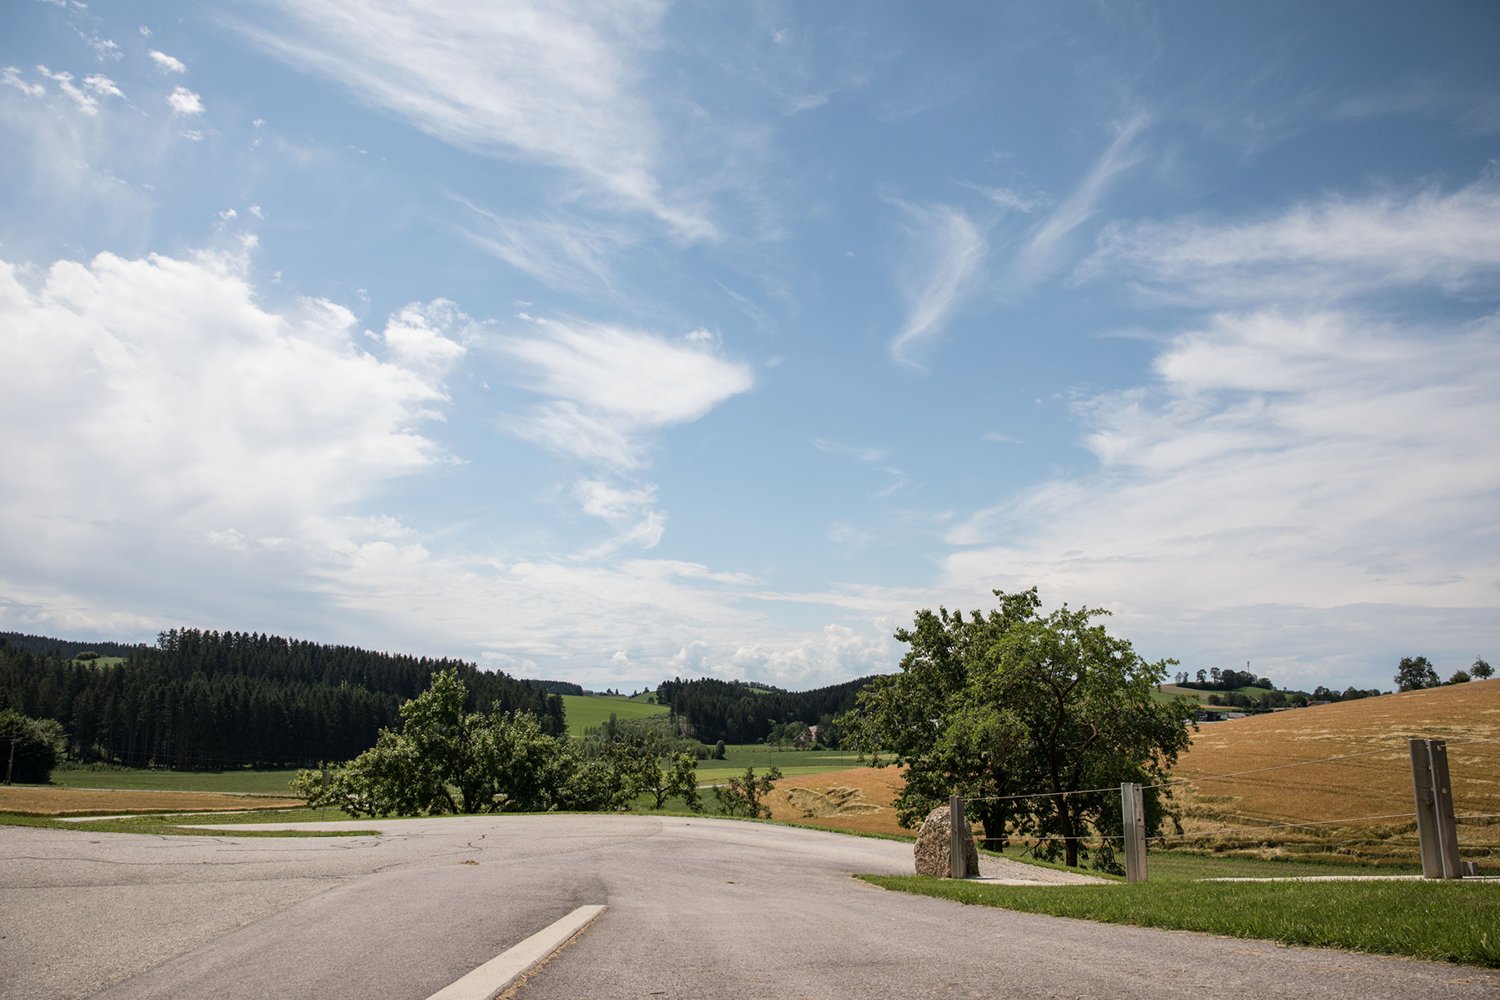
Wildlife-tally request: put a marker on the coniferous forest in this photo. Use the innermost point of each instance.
(736, 712)
(214, 700)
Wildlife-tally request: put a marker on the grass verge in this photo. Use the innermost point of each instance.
(170, 825)
(1434, 921)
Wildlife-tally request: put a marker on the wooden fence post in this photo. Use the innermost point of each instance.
(958, 829)
(1133, 812)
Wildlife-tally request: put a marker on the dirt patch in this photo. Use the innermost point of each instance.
(77, 801)
(858, 799)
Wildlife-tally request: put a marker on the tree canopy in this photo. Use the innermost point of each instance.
(1016, 703)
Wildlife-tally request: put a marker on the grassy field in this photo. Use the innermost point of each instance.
(1436, 921)
(585, 710)
(180, 824)
(737, 757)
(241, 782)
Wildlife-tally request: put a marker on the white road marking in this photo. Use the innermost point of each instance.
(499, 973)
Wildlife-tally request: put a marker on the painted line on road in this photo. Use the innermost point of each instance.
(499, 973)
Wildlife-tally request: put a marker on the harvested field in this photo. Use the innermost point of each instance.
(41, 801)
(858, 799)
(1378, 784)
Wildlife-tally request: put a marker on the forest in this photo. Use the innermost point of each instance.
(213, 700)
(737, 712)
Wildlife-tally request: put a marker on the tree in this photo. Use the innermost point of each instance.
(638, 761)
(742, 796)
(1019, 703)
(444, 761)
(1415, 673)
(37, 745)
(1459, 677)
(1481, 670)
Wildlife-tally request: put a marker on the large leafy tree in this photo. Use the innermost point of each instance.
(1414, 673)
(1014, 703)
(446, 761)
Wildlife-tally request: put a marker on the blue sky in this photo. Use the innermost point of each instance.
(615, 341)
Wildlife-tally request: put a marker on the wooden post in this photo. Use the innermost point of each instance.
(1442, 809)
(958, 828)
(1133, 812)
(10, 765)
(325, 777)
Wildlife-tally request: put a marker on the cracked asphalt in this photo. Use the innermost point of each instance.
(697, 908)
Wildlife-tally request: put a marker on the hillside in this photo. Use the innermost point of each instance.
(1377, 784)
(585, 711)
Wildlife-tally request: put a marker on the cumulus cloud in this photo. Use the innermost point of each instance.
(611, 386)
(152, 413)
(552, 83)
(184, 102)
(166, 63)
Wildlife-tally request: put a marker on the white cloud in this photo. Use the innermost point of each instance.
(1318, 251)
(944, 254)
(552, 83)
(611, 386)
(863, 454)
(1043, 251)
(166, 63)
(87, 103)
(1310, 479)
(184, 102)
(563, 254)
(183, 419)
(11, 77)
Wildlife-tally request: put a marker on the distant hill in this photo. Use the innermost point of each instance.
(738, 712)
(66, 648)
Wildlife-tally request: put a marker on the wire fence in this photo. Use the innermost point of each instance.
(1226, 831)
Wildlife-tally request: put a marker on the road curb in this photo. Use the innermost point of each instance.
(501, 972)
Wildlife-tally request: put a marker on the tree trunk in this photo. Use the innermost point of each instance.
(1070, 842)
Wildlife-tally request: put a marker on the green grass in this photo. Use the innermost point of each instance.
(584, 711)
(1435, 921)
(172, 825)
(244, 782)
(759, 756)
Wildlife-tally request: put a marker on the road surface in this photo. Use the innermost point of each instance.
(698, 908)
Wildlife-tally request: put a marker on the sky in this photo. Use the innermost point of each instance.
(616, 341)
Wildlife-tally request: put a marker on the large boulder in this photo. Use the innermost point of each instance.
(934, 845)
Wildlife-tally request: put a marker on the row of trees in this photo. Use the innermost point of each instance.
(1027, 715)
(211, 700)
(1414, 673)
(447, 760)
(1214, 679)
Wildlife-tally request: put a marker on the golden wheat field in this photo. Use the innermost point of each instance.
(858, 799)
(1373, 785)
(78, 801)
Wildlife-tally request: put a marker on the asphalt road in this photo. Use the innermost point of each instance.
(698, 908)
